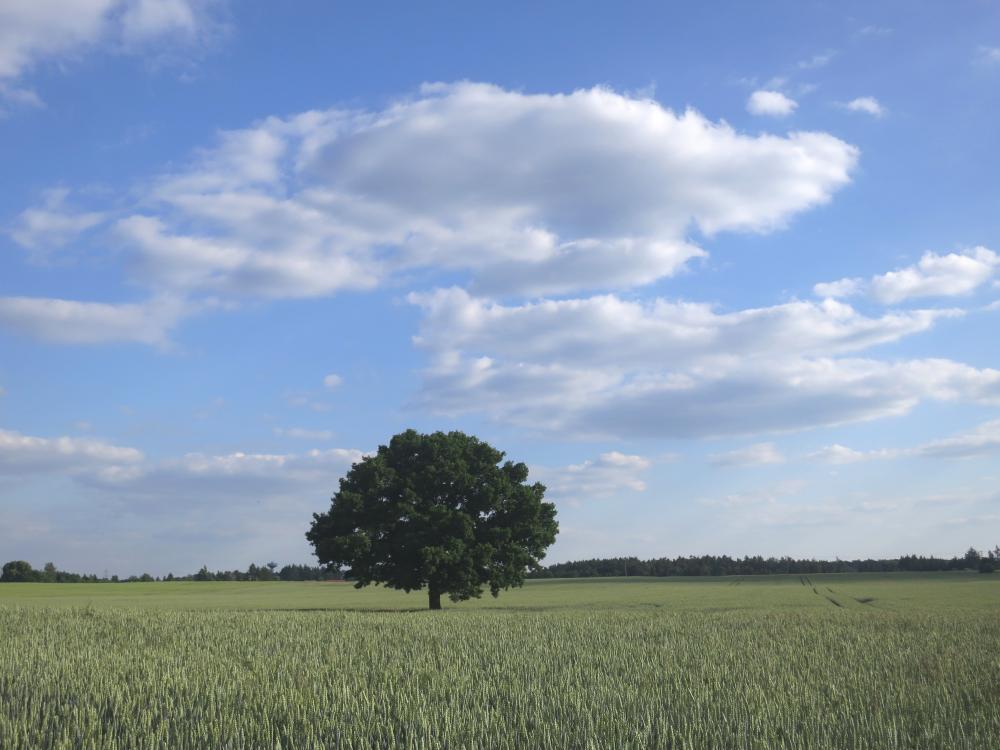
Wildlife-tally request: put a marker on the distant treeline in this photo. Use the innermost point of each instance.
(19, 571)
(711, 565)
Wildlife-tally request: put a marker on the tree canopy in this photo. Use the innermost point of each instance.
(436, 511)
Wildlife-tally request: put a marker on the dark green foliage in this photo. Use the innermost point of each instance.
(19, 571)
(972, 558)
(307, 573)
(436, 511)
(715, 565)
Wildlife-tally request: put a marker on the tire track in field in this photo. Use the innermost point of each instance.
(807, 581)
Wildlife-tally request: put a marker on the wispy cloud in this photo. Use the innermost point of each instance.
(54, 223)
(301, 433)
(758, 454)
(34, 32)
(988, 55)
(983, 440)
(873, 30)
(817, 61)
(607, 476)
(76, 322)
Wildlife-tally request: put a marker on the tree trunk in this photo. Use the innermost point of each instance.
(435, 598)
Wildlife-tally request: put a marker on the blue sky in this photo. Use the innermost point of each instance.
(725, 276)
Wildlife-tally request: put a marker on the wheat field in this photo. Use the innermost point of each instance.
(905, 661)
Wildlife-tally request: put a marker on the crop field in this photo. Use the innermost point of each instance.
(837, 661)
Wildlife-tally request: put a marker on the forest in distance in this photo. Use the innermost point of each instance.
(985, 561)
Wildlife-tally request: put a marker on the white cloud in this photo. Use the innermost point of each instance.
(758, 454)
(145, 19)
(770, 103)
(219, 509)
(303, 434)
(25, 454)
(841, 454)
(215, 478)
(74, 322)
(867, 104)
(125, 471)
(841, 288)
(607, 331)
(30, 30)
(933, 275)
(608, 476)
(983, 440)
(607, 367)
(332, 380)
(53, 224)
(734, 398)
(528, 193)
(35, 31)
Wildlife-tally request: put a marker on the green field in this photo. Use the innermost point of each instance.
(836, 661)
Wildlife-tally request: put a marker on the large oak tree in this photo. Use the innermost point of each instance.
(439, 512)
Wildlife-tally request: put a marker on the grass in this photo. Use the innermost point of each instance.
(900, 661)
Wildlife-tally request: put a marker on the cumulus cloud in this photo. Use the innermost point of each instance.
(52, 224)
(725, 399)
(75, 322)
(527, 193)
(606, 330)
(758, 454)
(608, 476)
(176, 512)
(26, 454)
(840, 288)
(126, 472)
(734, 399)
(606, 367)
(332, 380)
(933, 275)
(867, 104)
(32, 31)
(210, 477)
(770, 104)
